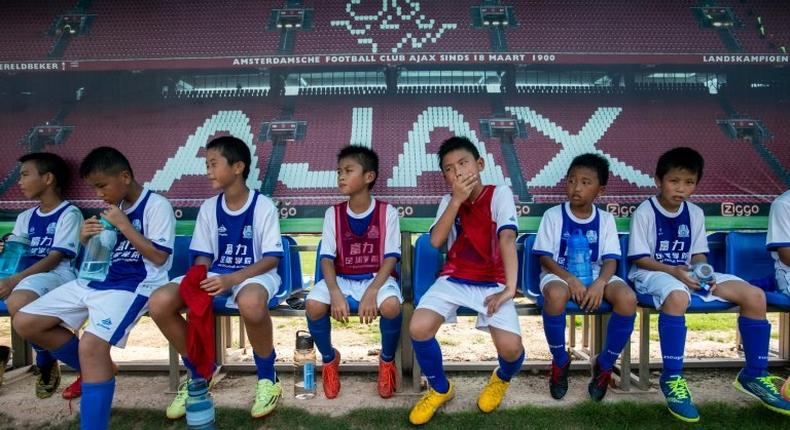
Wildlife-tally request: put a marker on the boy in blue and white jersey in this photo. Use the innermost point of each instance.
(139, 263)
(237, 236)
(667, 236)
(53, 228)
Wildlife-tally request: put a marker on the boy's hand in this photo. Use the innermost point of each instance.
(494, 301)
(462, 187)
(368, 311)
(90, 227)
(216, 284)
(115, 216)
(683, 274)
(577, 289)
(6, 286)
(338, 305)
(594, 296)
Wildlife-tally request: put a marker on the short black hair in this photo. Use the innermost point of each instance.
(363, 155)
(680, 158)
(234, 150)
(106, 160)
(455, 143)
(47, 162)
(594, 162)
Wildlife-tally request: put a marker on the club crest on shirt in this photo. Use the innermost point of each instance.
(592, 236)
(247, 232)
(51, 228)
(683, 230)
(374, 232)
(137, 225)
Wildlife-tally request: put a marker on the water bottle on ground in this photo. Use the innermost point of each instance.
(15, 248)
(578, 258)
(98, 252)
(304, 366)
(200, 406)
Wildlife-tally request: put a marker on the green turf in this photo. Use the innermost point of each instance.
(616, 416)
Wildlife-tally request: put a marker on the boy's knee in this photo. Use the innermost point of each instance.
(24, 324)
(753, 299)
(164, 302)
(390, 308)
(510, 351)
(556, 293)
(315, 309)
(625, 303)
(421, 329)
(253, 306)
(93, 347)
(676, 302)
(14, 303)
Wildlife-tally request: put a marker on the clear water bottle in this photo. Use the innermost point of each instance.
(15, 248)
(578, 258)
(98, 252)
(200, 406)
(705, 275)
(304, 366)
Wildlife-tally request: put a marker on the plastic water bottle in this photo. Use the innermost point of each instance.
(15, 248)
(578, 258)
(304, 366)
(98, 251)
(200, 407)
(705, 275)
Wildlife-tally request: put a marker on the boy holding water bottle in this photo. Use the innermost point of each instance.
(586, 179)
(139, 261)
(51, 230)
(667, 237)
(360, 246)
(237, 236)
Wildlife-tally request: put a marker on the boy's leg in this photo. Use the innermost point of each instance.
(755, 330)
(389, 304)
(672, 298)
(317, 306)
(48, 372)
(618, 334)
(98, 382)
(555, 297)
(253, 301)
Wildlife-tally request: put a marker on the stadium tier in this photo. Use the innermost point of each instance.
(163, 140)
(26, 26)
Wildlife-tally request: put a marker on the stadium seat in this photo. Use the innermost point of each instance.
(748, 258)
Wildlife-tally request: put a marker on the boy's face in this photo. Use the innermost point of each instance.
(677, 185)
(583, 186)
(219, 171)
(31, 182)
(111, 188)
(351, 177)
(460, 163)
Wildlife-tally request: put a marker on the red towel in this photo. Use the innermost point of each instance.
(200, 321)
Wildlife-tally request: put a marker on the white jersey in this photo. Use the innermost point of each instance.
(56, 230)
(779, 229)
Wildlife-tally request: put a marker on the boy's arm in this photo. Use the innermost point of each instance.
(577, 289)
(141, 244)
(46, 264)
(202, 260)
(338, 304)
(681, 272)
(784, 255)
(507, 249)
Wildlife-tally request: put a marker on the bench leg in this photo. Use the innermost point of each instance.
(172, 369)
(242, 334)
(21, 351)
(625, 367)
(572, 332)
(784, 335)
(644, 348)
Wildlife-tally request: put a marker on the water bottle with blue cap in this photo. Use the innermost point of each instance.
(98, 252)
(199, 406)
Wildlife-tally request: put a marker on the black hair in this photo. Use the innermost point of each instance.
(454, 143)
(363, 155)
(47, 162)
(595, 162)
(106, 160)
(680, 158)
(234, 150)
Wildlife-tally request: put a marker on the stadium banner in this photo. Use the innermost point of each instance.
(435, 58)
